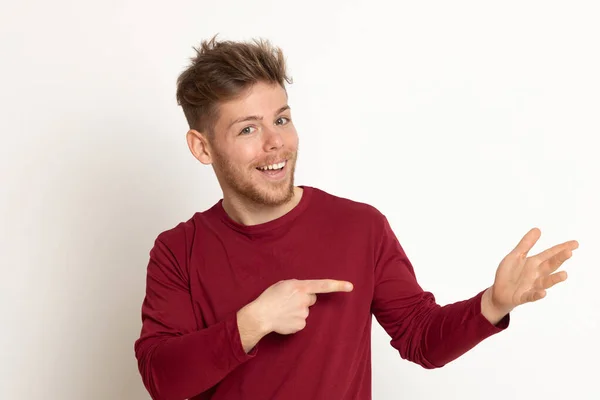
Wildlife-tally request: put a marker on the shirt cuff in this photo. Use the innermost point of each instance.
(237, 349)
(487, 328)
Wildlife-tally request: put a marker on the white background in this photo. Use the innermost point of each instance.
(466, 123)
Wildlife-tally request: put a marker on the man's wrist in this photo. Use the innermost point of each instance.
(251, 327)
(491, 311)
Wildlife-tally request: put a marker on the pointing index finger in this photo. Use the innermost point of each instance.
(327, 286)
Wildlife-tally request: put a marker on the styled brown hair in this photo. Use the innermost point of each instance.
(221, 71)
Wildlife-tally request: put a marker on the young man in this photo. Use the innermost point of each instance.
(270, 293)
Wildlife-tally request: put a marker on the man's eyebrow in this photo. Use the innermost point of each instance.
(256, 117)
(282, 109)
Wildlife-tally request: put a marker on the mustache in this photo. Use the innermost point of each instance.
(289, 156)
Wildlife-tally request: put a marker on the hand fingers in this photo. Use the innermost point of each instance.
(552, 264)
(545, 283)
(312, 299)
(551, 280)
(533, 295)
(554, 250)
(527, 242)
(326, 286)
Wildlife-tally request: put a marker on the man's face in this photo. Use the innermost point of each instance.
(254, 146)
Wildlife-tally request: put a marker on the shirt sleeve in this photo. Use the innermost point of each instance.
(423, 331)
(177, 357)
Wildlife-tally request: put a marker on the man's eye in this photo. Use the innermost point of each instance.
(247, 130)
(282, 120)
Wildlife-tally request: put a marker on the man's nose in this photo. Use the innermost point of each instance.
(273, 139)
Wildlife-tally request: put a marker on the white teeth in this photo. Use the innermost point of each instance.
(273, 166)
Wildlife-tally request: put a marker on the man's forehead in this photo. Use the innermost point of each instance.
(266, 98)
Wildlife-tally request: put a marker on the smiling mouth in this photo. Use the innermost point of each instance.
(273, 167)
(275, 171)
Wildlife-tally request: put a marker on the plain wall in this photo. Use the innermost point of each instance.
(466, 123)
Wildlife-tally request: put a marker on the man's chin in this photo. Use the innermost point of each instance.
(277, 196)
(272, 195)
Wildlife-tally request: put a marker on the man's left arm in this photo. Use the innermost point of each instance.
(432, 335)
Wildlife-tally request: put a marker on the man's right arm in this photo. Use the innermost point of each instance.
(176, 359)
(250, 328)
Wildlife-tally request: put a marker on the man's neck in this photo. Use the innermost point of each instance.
(253, 214)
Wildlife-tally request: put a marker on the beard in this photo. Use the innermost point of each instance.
(245, 183)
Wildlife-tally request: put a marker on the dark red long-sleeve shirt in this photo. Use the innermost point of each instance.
(204, 270)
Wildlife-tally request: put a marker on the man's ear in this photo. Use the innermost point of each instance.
(199, 146)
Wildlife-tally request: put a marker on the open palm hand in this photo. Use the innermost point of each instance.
(521, 279)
